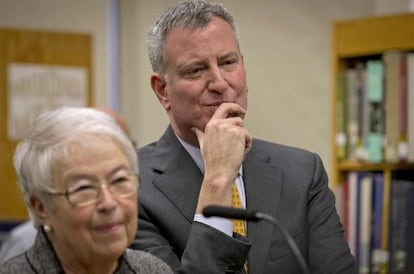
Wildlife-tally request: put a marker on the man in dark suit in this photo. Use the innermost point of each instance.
(199, 78)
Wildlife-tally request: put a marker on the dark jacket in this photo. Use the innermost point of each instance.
(289, 184)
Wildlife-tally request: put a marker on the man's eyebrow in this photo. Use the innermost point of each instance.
(195, 61)
(229, 54)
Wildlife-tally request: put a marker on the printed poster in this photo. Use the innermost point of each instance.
(35, 88)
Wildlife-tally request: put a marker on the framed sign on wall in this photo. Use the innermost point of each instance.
(39, 71)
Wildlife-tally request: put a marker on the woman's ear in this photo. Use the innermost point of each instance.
(39, 209)
(159, 86)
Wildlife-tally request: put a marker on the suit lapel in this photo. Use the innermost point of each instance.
(179, 177)
(263, 184)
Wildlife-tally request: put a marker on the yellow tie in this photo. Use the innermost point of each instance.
(239, 226)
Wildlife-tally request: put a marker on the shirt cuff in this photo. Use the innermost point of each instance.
(222, 224)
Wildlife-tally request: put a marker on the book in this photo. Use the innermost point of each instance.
(379, 256)
(353, 87)
(375, 97)
(365, 216)
(386, 197)
(341, 140)
(409, 229)
(401, 229)
(377, 198)
(362, 112)
(392, 60)
(352, 181)
(403, 110)
(410, 107)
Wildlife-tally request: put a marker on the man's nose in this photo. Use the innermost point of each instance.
(217, 80)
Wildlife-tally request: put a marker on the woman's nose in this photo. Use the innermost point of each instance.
(106, 200)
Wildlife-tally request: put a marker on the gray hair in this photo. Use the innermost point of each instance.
(47, 141)
(193, 14)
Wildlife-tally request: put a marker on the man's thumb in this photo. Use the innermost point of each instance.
(199, 133)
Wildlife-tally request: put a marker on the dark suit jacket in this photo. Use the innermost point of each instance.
(288, 183)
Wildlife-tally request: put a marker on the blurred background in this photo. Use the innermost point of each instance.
(286, 45)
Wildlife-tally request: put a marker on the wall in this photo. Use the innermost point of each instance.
(394, 6)
(286, 44)
(66, 15)
(287, 50)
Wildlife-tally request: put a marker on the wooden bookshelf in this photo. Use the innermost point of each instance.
(374, 192)
(355, 39)
(346, 166)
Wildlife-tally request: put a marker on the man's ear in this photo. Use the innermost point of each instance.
(159, 86)
(39, 209)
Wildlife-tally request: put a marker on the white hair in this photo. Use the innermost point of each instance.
(47, 141)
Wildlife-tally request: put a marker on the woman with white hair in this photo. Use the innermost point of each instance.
(77, 171)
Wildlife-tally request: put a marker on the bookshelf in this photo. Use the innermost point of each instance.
(361, 50)
(357, 39)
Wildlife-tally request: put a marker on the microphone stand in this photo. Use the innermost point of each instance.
(291, 243)
(242, 214)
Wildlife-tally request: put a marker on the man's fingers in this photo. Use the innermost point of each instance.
(199, 133)
(227, 110)
(248, 140)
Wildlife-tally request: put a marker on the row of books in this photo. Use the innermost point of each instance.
(375, 109)
(378, 218)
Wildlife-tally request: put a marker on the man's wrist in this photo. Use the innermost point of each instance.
(222, 224)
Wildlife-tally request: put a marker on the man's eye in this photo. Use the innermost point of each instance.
(229, 62)
(194, 71)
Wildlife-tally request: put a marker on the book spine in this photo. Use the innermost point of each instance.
(375, 90)
(409, 231)
(410, 107)
(386, 197)
(403, 111)
(392, 61)
(352, 120)
(365, 224)
(341, 140)
(398, 219)
(352, 212)
(379, 256)
(359, 176)
(362, 112)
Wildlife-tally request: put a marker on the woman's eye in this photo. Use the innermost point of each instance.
(82, 188)
(119, 180)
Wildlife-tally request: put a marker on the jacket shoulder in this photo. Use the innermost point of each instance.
(144, 262)
(268, 148)
(16, 264)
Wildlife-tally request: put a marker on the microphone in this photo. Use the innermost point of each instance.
(229, 212)
(242, 214)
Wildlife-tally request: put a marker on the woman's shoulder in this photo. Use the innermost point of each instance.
(144, 262)
(16, 264)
